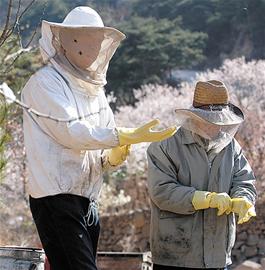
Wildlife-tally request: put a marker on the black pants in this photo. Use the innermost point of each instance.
(164, 267)
(69, 243)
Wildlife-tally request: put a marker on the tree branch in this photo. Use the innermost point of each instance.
(4, 33)
(12, 28)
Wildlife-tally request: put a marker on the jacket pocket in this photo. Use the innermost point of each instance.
(166, 214)
(175, 232)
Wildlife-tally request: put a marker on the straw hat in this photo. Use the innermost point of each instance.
(211, 103)
(210, 93)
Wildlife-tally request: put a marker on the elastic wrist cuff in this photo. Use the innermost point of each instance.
(201, 200)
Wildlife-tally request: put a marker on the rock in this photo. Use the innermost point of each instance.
(242, 236)
(251, 251)
(261, 243)
(255, 259)
(261, 247)
(238, 244)
(262, 261)
(139, 219)
(243, 248)
(253, 240)
(249, 265)
(145, 231)
(236, 254)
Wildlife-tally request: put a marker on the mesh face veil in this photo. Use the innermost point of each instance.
(85, 52)
(215, 128)
(80, 47)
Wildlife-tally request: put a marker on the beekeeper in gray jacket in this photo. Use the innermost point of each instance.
(198, 181)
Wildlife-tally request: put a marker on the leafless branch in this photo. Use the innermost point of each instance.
(35, 31)
(15, 56)
(18, 10)
(7, 53)
(30, 39)
(12, 28)
(18, 29)
(3, 36)
(15, 29)
(8, 31)
(26, 9)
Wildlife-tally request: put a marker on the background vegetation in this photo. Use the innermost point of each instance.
(162, 36)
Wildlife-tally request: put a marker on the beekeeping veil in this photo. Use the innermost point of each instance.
(81, 45)
(212, 119)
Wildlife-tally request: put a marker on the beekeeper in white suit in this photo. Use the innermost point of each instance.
(65, 158)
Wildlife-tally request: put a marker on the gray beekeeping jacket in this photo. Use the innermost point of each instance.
(181, 236)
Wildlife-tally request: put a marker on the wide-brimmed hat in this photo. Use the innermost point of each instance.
(211, 103)
(84, 17)
(102, 42)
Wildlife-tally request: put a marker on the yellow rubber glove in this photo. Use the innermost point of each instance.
(244, 208)
(221, 201)
(116, 156)
(201, 200)
(144, 134)
(205, 199)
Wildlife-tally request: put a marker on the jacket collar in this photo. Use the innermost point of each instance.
(186, 136)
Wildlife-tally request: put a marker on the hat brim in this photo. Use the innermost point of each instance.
(103, 28)
(237, 116)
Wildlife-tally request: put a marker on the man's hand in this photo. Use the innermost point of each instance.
(144, 134)
(244, 208)
(205, 199)
(221, 201)
(116, 156)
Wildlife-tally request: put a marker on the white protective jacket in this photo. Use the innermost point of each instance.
(65, 157)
